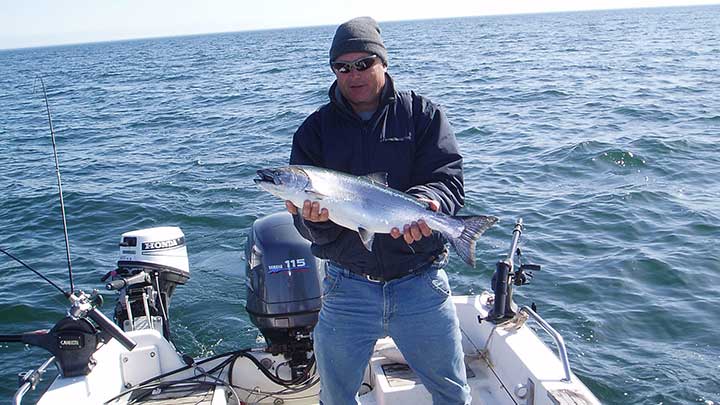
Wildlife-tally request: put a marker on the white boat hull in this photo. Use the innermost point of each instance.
(507, 364)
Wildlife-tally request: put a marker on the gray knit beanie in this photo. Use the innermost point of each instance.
(360, 34)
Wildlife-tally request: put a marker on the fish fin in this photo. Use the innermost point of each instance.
(314, 195)
(474, 226)
(379, 177)
(366, 237)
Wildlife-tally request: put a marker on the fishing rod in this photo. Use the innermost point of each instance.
(82, 305)
(66, 294)
(62, 201)
(62, 208)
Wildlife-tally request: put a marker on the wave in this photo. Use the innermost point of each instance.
(272, 71)
(645, 113)
(541, 95)
(474, 131)
(712, 119)
(620, 158)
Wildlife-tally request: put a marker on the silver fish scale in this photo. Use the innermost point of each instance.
(355, 202)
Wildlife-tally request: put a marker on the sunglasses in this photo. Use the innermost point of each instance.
(360, 65)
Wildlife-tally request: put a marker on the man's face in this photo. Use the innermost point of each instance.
(361, 88)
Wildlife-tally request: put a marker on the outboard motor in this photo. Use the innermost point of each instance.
(152, 263)
(283, 286)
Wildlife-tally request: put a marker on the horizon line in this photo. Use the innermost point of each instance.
(198, 34)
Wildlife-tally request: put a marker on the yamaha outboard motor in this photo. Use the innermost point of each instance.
(152, 263)
(283, 286)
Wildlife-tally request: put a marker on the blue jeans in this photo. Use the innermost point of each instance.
(415, 310)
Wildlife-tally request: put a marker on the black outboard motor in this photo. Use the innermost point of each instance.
(283, 285)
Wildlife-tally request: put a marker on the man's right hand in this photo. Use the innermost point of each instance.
(310, 211)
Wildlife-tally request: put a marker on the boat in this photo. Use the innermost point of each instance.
(512, 355)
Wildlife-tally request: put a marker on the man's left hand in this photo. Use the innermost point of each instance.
(417, 230)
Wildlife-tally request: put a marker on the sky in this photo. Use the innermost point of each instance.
(31, 23)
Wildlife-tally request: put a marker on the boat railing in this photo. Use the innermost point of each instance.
(30, 379)
(559, 341)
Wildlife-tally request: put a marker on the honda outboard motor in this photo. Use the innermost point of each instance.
(152, 263)
(283, 285)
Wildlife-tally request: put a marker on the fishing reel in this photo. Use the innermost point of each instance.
(74, 339)
(509, 272)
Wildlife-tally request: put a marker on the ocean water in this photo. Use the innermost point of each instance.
(599, 129)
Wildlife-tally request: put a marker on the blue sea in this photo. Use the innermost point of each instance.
(600, 129)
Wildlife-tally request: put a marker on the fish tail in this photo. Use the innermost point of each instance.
(474, 226)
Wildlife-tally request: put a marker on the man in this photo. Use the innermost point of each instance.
(399, 288)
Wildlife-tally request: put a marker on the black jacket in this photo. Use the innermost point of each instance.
(408, 137)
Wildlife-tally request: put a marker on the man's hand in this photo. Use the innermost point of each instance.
(412, 232)
(310, 211)
(417, 230)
